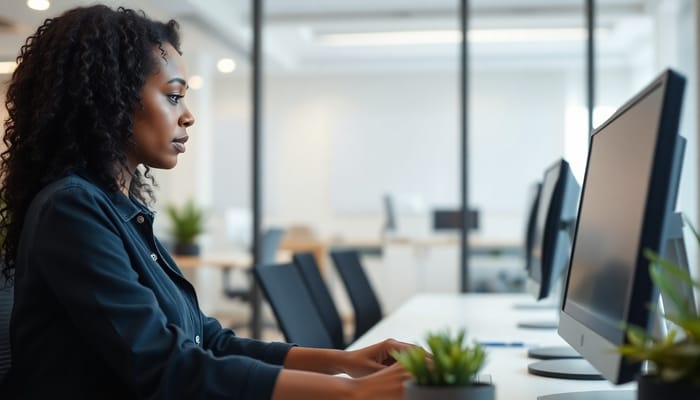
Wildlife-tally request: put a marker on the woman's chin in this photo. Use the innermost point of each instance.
(164, 164)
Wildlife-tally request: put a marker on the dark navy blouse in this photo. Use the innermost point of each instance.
(102, 311)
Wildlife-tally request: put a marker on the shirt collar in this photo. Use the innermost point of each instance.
(127, 207)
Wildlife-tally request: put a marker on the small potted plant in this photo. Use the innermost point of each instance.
(447, 372)
(187, 223)
(674, 360)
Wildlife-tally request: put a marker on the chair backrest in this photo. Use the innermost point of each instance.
(306, 263)
(6, 296)
(270, 244)
(362, 296)
(292, 305)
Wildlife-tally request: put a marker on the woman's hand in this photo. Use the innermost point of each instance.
(377, 374)
(373, 358)
(386, 384)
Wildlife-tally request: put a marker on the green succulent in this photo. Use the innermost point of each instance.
(187, 222)
(675, 357)
(449, 362)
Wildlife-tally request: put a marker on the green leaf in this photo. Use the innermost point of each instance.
(453, 362)
(675, 357)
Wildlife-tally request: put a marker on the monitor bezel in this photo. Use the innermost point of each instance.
(581, 333)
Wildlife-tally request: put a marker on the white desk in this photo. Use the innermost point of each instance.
(487, 317)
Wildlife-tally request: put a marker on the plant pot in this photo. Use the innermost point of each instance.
(186, 249)
(649, 387)
(477, 391)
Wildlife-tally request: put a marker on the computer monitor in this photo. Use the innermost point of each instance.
(530, 220)
(532, 205)
(452, 220)
(628, 196)
(550, 247)
(551, 240)
(675, 252)
(389, 214)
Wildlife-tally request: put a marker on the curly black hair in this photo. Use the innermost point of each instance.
(71, 103)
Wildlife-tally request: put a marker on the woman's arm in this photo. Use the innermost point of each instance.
(223, 342)
(75, 247)
(386, 384)
(308, 373)
(356, 363)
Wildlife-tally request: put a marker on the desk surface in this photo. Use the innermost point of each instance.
(239, 260)
(487, 317)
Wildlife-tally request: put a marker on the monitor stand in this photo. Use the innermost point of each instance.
(568, 368)
(593, 395)
(536, 306)
(553, 352)
(544, 324)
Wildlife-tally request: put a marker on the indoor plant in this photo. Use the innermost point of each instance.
(187, 222)
(449, 372)
(674, 360)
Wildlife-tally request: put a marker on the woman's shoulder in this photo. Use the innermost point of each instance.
(76, 190)
(69, 184)
(79, 192)
(68, 196)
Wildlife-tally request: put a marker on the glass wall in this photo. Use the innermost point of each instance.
(362, 130)
(527, 77)
(361, 121)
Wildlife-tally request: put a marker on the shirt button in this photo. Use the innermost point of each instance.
(196, 339)
(140, 219)
(154, 256)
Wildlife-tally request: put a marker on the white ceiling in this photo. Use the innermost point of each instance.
(222, 27)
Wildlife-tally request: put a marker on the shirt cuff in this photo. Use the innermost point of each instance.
(276, 352)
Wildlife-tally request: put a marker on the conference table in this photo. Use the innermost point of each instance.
(491, 319)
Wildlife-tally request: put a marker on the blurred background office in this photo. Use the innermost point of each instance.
(361, 122)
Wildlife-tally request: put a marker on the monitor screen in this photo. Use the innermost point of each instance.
(551, 244)
(628, 192)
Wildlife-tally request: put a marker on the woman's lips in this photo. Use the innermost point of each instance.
(179, 144)
(179, 147)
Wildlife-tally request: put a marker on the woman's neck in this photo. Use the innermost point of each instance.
(124, 181)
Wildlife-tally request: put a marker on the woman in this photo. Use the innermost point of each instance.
(101, 310)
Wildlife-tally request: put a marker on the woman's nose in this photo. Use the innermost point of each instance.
(187, 119)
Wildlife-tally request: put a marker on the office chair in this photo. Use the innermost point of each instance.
(270, 243)
(292, 305)
(6, 297)
(362, 296)
(321, 296)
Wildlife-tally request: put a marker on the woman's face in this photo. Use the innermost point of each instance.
(161, 121)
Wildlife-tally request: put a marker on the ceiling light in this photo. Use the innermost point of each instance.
(196, 82)
(527, 35)
(454, 36)
(39, 5)
(390, 38)
(226, 65)
(7, 67)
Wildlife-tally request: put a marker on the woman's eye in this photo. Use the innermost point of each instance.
(174, 98)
